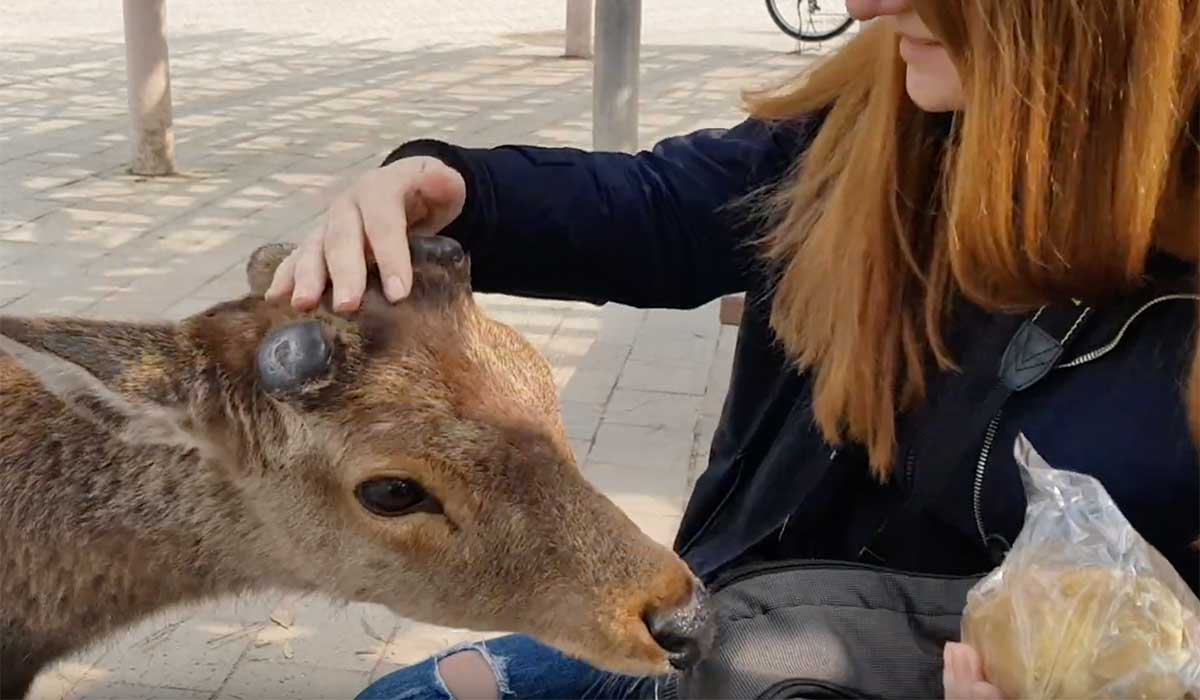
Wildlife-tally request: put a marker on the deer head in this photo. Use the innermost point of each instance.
(410, 454)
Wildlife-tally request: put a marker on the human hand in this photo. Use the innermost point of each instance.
(373, 218)
(963, 675)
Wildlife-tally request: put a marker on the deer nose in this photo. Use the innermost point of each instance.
(686, 631)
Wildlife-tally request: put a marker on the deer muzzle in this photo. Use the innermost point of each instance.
(685, 631)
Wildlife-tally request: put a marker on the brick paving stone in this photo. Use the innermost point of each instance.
(580, 419)
(355, 643)
(130, 691)
(581, 448)
(672, 377)
(654, 409)
(179, 654)
(13, 253)
(255, 680)
(585, 384)
(56, 682)
(640, 490)
(673, 347)
(650, 448)
(661, 528)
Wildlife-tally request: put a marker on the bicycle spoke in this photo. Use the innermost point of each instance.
(810, 19)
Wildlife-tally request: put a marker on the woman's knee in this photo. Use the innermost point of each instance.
(503, 667)
(467, 675)
(471, 672)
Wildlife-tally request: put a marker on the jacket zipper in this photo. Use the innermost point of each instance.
(910, 461)
(1090, 356)
(1112, 344)
(980, 469)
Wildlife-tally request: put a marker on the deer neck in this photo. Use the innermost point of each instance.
(108, 516)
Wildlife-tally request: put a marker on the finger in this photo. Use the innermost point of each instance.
(284, 280)
(954, 689)
(386, 226)
(310, 275)
(441, 193)
(344, 255)
(972, 664)
(953, 656)
(956, 682)
(985, 691)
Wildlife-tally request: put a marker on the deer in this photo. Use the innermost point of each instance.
(409, 454)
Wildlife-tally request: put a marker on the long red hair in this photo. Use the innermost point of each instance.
(1075, 155)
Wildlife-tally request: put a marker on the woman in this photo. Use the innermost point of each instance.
(894, 218)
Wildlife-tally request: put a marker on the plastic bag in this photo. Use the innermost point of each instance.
(1082, 606)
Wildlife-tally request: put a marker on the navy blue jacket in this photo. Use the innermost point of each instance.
(656, 229)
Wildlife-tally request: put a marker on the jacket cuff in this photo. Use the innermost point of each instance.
(473, 227)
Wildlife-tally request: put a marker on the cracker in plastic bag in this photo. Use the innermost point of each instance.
(1082, 606)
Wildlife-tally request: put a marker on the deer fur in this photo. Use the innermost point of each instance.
(143, 466)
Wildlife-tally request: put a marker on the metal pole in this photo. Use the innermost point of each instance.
(149, 77)
(579, 29)
(615, 75)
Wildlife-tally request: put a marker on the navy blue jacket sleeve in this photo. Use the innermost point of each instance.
(661, 228)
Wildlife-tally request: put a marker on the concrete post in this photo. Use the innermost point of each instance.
(615, 75)
(579, 29)
(149, 77)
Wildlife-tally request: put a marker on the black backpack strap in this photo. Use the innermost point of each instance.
(1034, 351)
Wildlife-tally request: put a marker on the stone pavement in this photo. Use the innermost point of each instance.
(277, 104)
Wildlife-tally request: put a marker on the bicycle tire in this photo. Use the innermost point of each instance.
(798, 33)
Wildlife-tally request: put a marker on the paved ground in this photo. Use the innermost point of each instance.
(277, 102)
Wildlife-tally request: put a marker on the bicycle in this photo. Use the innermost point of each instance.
(811, 22)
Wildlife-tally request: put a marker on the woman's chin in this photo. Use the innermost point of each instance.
(933, 94)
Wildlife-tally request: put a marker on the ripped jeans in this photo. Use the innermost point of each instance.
(524, 669)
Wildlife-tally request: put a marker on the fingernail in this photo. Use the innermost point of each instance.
(396, 289)
(344, 303)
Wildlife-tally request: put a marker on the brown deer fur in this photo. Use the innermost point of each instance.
(142, 466)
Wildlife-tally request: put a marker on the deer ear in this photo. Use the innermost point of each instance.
(263, 263)
(145, 416)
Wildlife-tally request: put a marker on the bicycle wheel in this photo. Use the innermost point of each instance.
(810, 20)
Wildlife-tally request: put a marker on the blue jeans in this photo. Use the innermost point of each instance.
(524, 669)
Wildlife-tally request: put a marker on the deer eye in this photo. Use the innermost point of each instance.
(392, 498)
